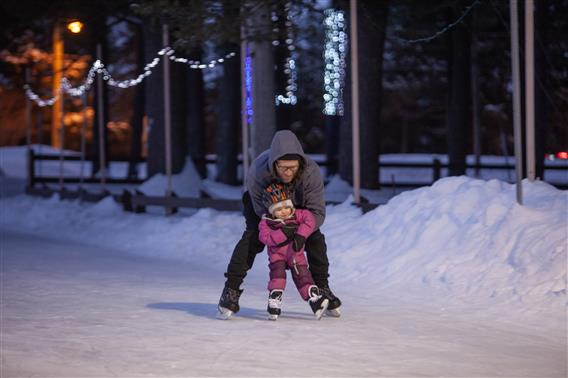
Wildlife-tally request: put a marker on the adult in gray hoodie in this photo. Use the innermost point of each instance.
(285, 162)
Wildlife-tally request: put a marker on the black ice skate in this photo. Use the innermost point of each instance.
(274, 304)
(334, 303)
(228, 303)
(317, 302)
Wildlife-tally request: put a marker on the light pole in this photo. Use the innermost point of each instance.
(57, 112)
(355, 103)
(75, 27)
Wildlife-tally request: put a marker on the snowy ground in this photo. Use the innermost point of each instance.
(453, 280)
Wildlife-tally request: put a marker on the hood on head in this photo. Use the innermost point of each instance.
(284, 142)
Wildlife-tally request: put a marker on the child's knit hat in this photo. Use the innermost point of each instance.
(276, 196)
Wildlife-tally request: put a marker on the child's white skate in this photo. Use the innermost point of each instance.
(274, 304)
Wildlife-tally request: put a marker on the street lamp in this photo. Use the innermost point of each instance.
(75, 26)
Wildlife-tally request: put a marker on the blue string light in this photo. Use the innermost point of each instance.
(248, 87)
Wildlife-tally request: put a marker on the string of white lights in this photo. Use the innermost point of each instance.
(198, 65)
(290, 69)
(335, 50)
(99, 68)
(442, 31)
(35, 98)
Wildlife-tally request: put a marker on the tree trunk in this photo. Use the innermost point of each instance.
(459, 112)
(179, 101)
(542, 126)
(154, 103)
(475, 95)
(138, 116)
(195, 114)
(155, 108)
(372, 19)
(332, 129)
(264, 112)
(281, 53)
(373, 24)
(99, 36)
(228, 128)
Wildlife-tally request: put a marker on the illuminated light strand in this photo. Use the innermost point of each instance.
(335, 50)
(442, 31)
(248, 88)
(99, 68)
(35, 98)
(196, 64)
(290, 68)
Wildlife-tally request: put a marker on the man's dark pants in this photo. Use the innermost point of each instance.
(249, 246)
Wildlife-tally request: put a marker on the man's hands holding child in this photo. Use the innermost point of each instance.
(298, 242)
(289, 231)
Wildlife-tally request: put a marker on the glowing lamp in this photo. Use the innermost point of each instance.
(75, 27)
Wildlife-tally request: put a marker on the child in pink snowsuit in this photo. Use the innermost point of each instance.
(284, 232)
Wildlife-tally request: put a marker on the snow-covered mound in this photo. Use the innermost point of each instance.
(185, 184)
(463, 235)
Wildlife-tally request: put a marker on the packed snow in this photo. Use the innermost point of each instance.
(452, 279)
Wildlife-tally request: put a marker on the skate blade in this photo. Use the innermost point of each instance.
(323, 309)
(223, 313)
(272, 317)
(335, 313)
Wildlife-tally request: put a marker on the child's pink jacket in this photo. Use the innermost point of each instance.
(271, 234)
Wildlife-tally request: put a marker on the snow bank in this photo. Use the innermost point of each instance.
(462, 235)
(465, 237)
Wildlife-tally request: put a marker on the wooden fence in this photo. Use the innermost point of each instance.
(136, 201)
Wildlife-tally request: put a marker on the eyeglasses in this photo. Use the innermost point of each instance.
(283, 169)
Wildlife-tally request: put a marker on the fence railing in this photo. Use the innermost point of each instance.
(34, 178)
(138, 202)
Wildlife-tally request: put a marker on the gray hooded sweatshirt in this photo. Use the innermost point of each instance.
(308, 186)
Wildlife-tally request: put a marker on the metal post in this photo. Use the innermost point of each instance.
(39, 128)
(529, 89)
(28, 121)
(31, 169)
(167, 114)
(28, 111)
(61, 139)
(516, 97)
(475, 106)
(355, 103)
(83, 140)
(58, 51)
(244, 115)
(101, 122)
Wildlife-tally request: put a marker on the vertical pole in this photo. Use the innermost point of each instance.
(40, 136)
(475, 106)
(28, 112)
(101, 122)
(61, 140)
(31, 169)
(83, 140)
(529, 88)
(167, 113)
(355, 103)
(244, 110)
(56, 84)
(28, 126)
(516, 97)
